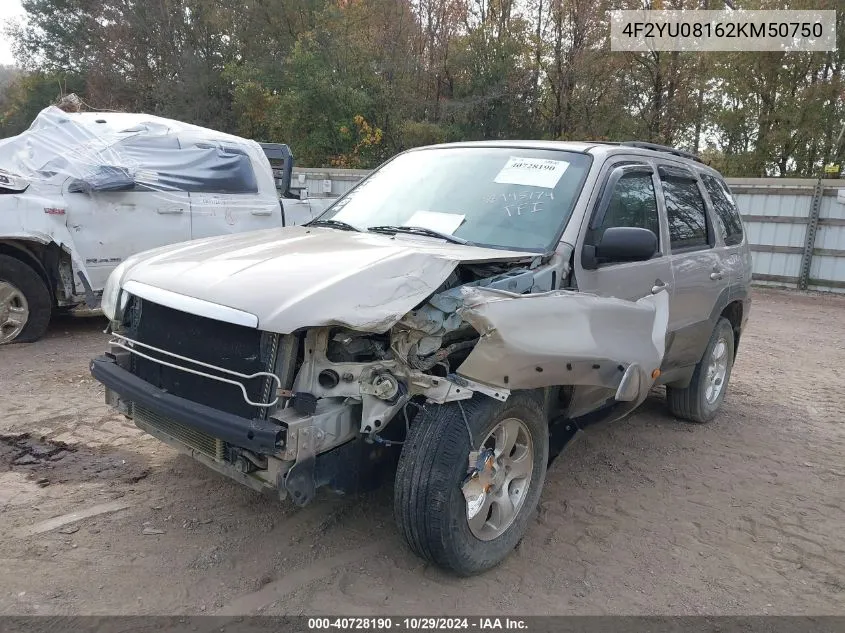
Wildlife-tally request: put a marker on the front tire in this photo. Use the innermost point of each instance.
(433, 492)
(700, 401)
(25, 303)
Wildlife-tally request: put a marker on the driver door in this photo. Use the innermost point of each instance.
(228, 194)
(628, 197)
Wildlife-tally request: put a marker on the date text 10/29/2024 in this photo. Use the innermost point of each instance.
(417, 624)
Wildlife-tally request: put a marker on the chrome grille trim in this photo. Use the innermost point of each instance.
(124, 342)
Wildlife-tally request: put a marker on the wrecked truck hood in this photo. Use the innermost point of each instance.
(307, 277)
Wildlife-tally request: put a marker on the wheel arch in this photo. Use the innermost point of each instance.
(732, 305)
(733, 312)
(33, 254)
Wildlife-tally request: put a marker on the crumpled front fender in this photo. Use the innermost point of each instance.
(23, 218)
(565, 338)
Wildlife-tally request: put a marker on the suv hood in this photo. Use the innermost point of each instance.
(306, 276)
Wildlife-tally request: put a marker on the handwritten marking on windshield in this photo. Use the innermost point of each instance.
(519, 196)
(524, 207)
(521, 202)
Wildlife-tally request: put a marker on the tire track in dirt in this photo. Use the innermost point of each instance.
(257, 601)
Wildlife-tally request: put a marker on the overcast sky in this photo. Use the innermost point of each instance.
(9, 9)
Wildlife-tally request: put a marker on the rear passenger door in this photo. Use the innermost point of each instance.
(628, 198)
(225, 191)
(696, 269)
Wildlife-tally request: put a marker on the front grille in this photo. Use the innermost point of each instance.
(233, 347)
(197, 440)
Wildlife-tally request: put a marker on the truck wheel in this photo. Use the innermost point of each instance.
(700, 401)
(467, 519)
(24, 302)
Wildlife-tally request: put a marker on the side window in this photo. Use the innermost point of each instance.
(632, 203)
(685, 212)
(727, 214)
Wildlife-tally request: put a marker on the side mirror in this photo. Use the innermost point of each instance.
(281, 162)
(103, 178)
(621, 244)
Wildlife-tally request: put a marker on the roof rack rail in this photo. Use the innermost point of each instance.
(663, 148)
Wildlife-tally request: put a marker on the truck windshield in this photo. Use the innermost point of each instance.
(500, 197)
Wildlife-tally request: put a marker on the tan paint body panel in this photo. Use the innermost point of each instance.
(300, 277)
(564, 338)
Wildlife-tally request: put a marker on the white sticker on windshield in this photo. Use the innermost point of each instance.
(532, 172)
(446, 223)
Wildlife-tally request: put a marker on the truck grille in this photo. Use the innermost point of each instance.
(233, 347)
(197, 440)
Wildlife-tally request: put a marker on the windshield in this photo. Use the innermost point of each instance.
(501, 197)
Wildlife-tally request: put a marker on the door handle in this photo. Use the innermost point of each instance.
(658, 286)
(170, 210)
(259, 212)
(716, 275)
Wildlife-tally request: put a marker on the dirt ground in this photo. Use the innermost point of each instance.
(649, 515)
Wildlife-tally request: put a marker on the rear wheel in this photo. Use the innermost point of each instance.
(700, 401)
(25, 303)
(465, 505)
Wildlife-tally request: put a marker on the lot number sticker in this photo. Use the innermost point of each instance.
(531, 172)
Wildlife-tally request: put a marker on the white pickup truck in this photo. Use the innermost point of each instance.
(81, 192)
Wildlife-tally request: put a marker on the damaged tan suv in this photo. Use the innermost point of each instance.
(455, 318)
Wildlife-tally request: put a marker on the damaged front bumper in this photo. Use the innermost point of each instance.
(259, 436)
(292, 452)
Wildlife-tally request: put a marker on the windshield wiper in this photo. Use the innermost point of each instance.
(418, 230)
(335, 224)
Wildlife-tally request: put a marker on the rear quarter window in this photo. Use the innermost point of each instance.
(727, 213)
(685, 211)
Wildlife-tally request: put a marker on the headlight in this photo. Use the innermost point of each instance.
(111, 292)
(12, 182)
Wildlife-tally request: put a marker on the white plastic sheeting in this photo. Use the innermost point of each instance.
(135, 152)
